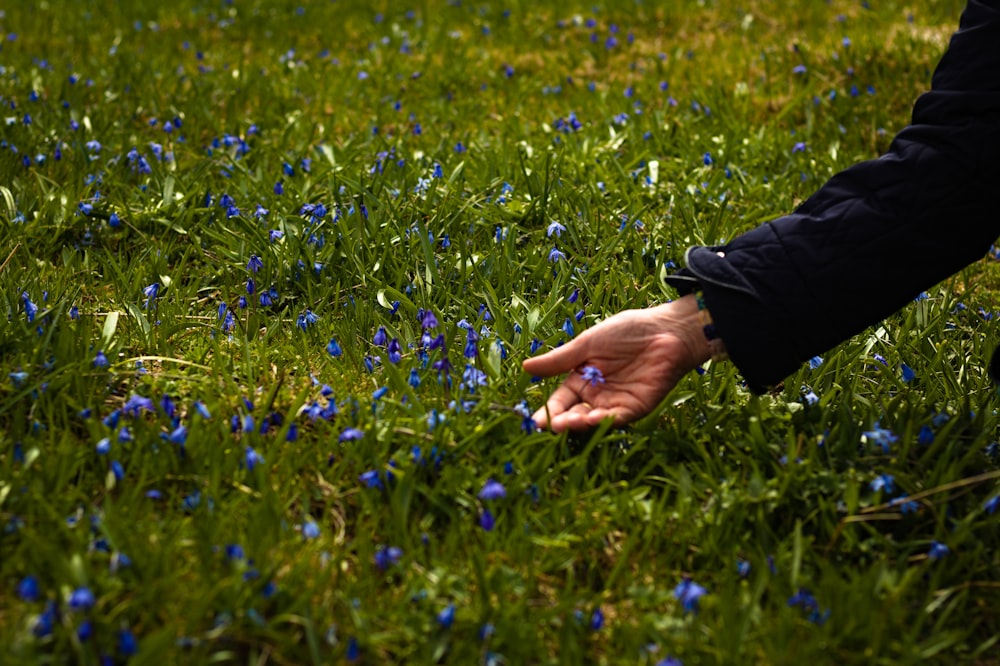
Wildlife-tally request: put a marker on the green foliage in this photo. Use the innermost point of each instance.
(244, 513)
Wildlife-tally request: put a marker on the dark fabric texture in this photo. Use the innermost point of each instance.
(875, 235)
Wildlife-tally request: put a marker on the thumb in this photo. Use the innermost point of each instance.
(559, 360)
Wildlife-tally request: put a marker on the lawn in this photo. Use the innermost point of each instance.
(269, 271)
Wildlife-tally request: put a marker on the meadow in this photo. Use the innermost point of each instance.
(268, 272)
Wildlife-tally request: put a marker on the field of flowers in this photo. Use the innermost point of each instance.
(268, 272)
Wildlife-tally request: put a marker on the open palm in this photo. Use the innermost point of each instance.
(640, 356)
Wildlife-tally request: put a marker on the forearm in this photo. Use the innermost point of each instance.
(876, 234)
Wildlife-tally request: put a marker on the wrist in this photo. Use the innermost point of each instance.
(684, 319)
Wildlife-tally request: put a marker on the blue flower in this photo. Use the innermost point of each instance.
(251, 458)
(882, 437)
(84, 631)
(151, 292)
(428, 320)
(884, 482)
(815, 362)
(307, 319)
(447, 616)
(254, 264)
(82, 599)
(351, 435)
(28, 589)
(492, 490)
(688, 593)
(310, 530)
(596, 620)
(371, 479)
(414, 380)
(990, 505)
(925, 436)
(380, 337)
(103, 446)
(937, 550)
(30, 309)
(387, 556)
(908, 374)
(555, 254)
(486, 520)
(127, 643)
(234, 551)
(556, 229)
(592, 375)
(707, 159)
(799, 69)
(117, 470)
(100, 360)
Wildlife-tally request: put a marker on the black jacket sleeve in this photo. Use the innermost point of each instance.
(875, 235)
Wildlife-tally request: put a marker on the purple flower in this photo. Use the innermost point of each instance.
(492, 490)
(555, 228)
(428, 320)
(555, 254)
(486, 520)
(592, 375)
(596, 620)
(254, 264)
(380, 337)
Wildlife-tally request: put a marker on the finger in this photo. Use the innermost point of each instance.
(559, 360)
(576, 418)
(561, 400)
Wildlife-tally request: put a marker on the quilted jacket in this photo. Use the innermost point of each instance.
(875, 235)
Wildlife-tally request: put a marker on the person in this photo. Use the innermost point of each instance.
(865, 244)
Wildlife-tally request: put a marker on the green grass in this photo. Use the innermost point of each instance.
(613, 520)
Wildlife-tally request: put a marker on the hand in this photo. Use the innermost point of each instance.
(641, 354)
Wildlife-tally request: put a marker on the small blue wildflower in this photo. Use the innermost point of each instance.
(100, 360)
(251, 458)
(882, 437)
(592, 375)
(925, 436)
(447, 616)
(29, 589)
(990, 505)
(555, 229)
(815, 362)
(555, 254)
(103, 446)
(82, 599)
(254, 264)
(688, 593)
(310, 530)
(492, 490)
(486, 520)
(333, 348)
(371, 479)
(202, 410)
(351, 435)
(707, 159)
(387, 556)
(127, 643)
(907, 373)
(884, 482)
(428, 320)
(937, 551)
(117, 470)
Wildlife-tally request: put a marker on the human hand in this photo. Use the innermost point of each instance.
(640, 356)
